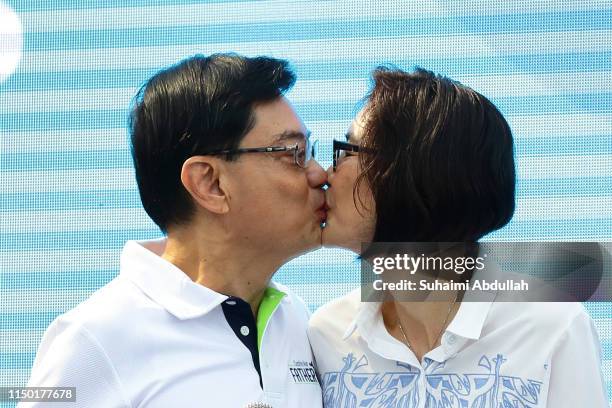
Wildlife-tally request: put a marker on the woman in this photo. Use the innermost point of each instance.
(430, 160)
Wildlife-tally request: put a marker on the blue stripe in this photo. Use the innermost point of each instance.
(27, 321)
(307, 30)
(113, 199)
(71, 200)
(48, 5)
(82, 280)
(566, 187)
(117, 158)
(598, 310)
(329, 70)
(16, 361)
(114, 118)
(63, 240)
(559, 146)
(64, 160)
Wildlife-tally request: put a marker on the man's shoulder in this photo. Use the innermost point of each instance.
(112, 309)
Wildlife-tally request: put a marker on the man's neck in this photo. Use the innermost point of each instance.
(221, 267)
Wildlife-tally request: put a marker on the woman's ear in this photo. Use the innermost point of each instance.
(200, 177)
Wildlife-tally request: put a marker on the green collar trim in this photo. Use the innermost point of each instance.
(270, 301)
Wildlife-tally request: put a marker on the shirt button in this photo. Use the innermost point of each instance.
(244, 330)
(451, 339)
(230, 302)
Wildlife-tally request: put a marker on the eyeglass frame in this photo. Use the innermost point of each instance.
(347, 147)
(309, 146)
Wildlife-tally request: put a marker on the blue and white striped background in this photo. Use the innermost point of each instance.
(68, 199)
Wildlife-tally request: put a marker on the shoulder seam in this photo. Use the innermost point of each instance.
(86, 333)
(565, 331)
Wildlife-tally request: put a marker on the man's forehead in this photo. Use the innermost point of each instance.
(277, 121)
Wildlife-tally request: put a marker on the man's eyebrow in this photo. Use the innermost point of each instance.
(290, 135)
(348, 135)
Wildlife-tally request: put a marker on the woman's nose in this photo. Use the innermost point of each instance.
(330, 174)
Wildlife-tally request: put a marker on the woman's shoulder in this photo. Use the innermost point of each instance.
(547, 318)
(335, 316)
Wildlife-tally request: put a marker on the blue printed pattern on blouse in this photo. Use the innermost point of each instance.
(349, 388)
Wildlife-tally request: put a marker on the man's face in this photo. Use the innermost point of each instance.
(276, 206)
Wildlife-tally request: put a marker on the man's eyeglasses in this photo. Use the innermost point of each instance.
(302, 153)
(343, 149)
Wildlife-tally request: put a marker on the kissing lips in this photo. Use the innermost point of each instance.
(321, 212)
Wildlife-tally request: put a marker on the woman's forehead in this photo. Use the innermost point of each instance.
(355, 131)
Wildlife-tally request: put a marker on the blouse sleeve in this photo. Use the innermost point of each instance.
(576, 379)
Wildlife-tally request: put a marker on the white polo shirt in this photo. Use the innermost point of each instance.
(492, 354)
(154, 338)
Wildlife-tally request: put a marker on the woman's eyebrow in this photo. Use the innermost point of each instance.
(348, 135)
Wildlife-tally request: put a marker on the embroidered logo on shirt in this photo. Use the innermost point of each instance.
(303, 372)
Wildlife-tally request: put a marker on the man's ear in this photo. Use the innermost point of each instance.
(200, 177)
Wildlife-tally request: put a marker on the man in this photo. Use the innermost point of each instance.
(223, 166)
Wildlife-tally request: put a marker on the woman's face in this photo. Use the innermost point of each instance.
(350, 221)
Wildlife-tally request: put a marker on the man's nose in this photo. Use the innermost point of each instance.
(315, 174)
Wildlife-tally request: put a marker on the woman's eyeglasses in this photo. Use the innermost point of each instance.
(343, 149)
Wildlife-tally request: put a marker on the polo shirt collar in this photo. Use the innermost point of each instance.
(166, 284)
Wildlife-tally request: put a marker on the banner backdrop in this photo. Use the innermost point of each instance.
(69, 68)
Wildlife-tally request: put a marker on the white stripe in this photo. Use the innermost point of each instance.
(48, 301)
(21, 341)
(604, 327)
(67, 180)
(563, 208)
(557, 125)
(66, 100)
(379, 49)
(606, 368)
(523, 126)
(516, 85)
(117, 138)
(14, 377)
(65, 140)
(277, 12)
(535, 168)
(62, 261)
(84, 220)
(334, 258)
(339, 91)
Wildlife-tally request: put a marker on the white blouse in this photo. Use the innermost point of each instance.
(492, 354)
